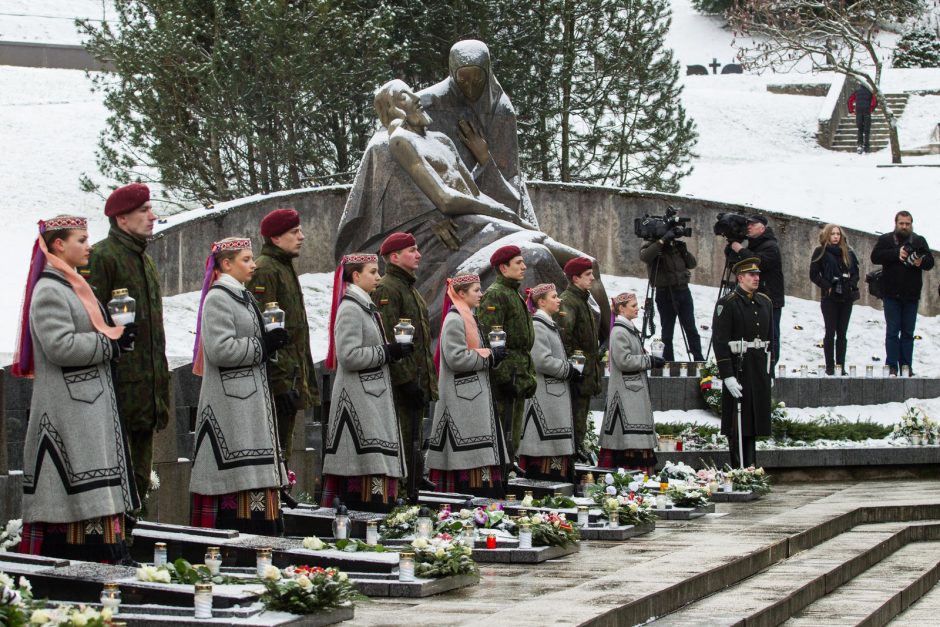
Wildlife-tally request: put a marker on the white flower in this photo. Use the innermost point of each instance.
(465, 514)
(272, 573)
(304, 582)
(342, 576)
(39, 617)
(612, 504)
(527, 500)
(621, 471)
(440, 553)
(634, 486)
(611, 490)
(609, 479)
(163, 576)
(420, 543)
(79, 620)
(313, 543)
(154, 480)
(14, 526)
(5, 580)
(106, 613)
(24, 583)
(537, 519)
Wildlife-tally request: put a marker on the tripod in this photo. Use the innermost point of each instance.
(725, 286)
(649, 310)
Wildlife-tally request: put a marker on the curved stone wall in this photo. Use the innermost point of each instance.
(594, 219)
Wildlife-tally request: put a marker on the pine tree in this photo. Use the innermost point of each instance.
(712, 7)
(919, 47)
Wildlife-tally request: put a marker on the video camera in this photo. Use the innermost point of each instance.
(655, 227)
(731, 226)
(913, 254)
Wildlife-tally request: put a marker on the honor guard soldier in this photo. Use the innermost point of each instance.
(743, 333)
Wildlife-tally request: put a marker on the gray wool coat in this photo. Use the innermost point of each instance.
(236, 431)
(363, 437)
(628, 417)
(547, 428)
(465, 433)
(75, 460)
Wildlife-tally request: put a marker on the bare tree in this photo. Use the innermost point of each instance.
(836, 35)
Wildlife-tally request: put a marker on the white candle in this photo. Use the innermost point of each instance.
(202, 600)
(213, 564)
(121, 319)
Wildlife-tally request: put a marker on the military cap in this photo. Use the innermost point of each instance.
(752, 264)
(125, 199)
(504, 254)
(279, 222)
(578, 266)
(395, 242)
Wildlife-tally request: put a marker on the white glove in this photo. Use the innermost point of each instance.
(734, 388)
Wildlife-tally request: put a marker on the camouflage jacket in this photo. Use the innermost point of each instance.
(578, 324)
(502, 305)
(396, 297)
(142, 376)
(275, 280)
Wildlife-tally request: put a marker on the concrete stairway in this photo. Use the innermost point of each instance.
(866, 575)
(846, 133)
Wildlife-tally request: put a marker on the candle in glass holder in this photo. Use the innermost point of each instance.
(781, 371)
(468, 535)
(122, 309)
(821, 369)
(583, 516)
(613, 518)
(202, 600)
(262, 560)
(111, 597)
(511, 498)
(852, 371)
(661, 501)
(341, 523)
(423, 525)
(728, 485)
(372, 532)
(159, 554)
(657, 347)
(667, 369)
(273, 316)
(406, 567)
(803, 370)
(885, 371)
(491, 540)
(577, 360)
(525, 536)
(497, 336)
(404, 331)
(869, 372)
(683, 370)
(213, 560)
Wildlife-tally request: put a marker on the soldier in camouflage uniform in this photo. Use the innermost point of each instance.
(292, 378)
(514, 379)
(142, 378)
(579, 331)
(414, 378)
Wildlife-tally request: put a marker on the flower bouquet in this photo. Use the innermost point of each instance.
(18, 609)
(442, 556)
(916, 426)
(11, 535)
(555, 502)
(688, 496)
(550, 529)
(710, 385)
(307, 589)
(614, 483)
(401, 522)
(680, 471)
(632, 508)
(313, 543)
(749, 479)
(490, 517)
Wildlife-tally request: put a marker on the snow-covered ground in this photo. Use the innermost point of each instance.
(49, 21)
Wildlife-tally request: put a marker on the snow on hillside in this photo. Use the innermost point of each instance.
(49, 21)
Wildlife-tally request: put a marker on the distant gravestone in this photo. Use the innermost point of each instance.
(714, 65)
(696, 70)
(732, 68)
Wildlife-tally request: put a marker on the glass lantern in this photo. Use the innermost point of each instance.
(577, 360)
(372, 532)
(657, 347)
(341, 523)
(583, 516)
(525, 536)
(404, 331)
(122, 309)
(468, 535)
(273, 316)
(613, 518)
(159, 554)
(263, 560)
(406, 567)
(497, 336)
(202, 600)
(423, 525)
(111, 597)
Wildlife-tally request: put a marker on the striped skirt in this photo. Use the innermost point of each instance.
(546, 468)
(485, 481)
(364, 493)
(92, 540)
(249, 511)
(643, 459)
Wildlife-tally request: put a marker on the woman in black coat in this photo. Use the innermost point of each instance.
(834, 268)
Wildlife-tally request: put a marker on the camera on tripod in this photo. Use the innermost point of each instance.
(731, 226)
(913, 254)
(655, 227)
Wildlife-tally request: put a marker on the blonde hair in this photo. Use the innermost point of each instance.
(824, 236)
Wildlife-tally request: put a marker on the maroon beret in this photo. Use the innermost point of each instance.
(279, 221)
(577, 266)
(504, 255)
(126, 199)
(397, 241)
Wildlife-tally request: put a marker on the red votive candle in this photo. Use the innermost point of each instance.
(491, 541)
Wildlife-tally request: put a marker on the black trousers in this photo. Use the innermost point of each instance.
(775, 343)
(676, 302)
(750, 451)
(836, 316)
(863, 124)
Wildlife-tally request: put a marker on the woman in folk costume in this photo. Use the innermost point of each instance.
(547, 442)
(467, 450)
(627, 434)
(77, 475)
(364, 457)
(236, 474)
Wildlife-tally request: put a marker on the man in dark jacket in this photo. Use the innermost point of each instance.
(292, 378)
(142, 383)
(762, 244)
(668, 262)
(862, 103)
(904, 256)
(414, 378)
(741, 334)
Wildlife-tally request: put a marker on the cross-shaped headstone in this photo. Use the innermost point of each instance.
(714, 65)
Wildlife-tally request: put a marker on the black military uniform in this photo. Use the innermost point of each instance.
(744, 316)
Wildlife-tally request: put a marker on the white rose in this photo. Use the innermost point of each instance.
(272, 573)
(609, 479)
(440, 553)
(39, 617)
(13, 526)
(537, 519)
(527, 501)
(342, 576)
(106, 613)
(465, 514)
(79, 620)
(24, 583)
(5, 581)
(611, 490)
(162, 576)
(420, 543)
(313, 543)
(621, 471)
(304, 582)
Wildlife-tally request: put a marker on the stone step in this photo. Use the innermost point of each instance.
(880, 593)
(923, 612)
(772, 595)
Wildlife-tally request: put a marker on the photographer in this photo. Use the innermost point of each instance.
(834, 268)
(668, 262)
(762, 243)
(903, 256)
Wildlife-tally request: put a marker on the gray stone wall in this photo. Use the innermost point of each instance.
(598, 220)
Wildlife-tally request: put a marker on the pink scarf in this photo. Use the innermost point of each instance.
(469, 324)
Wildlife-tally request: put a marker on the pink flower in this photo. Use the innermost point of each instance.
(291, 477)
